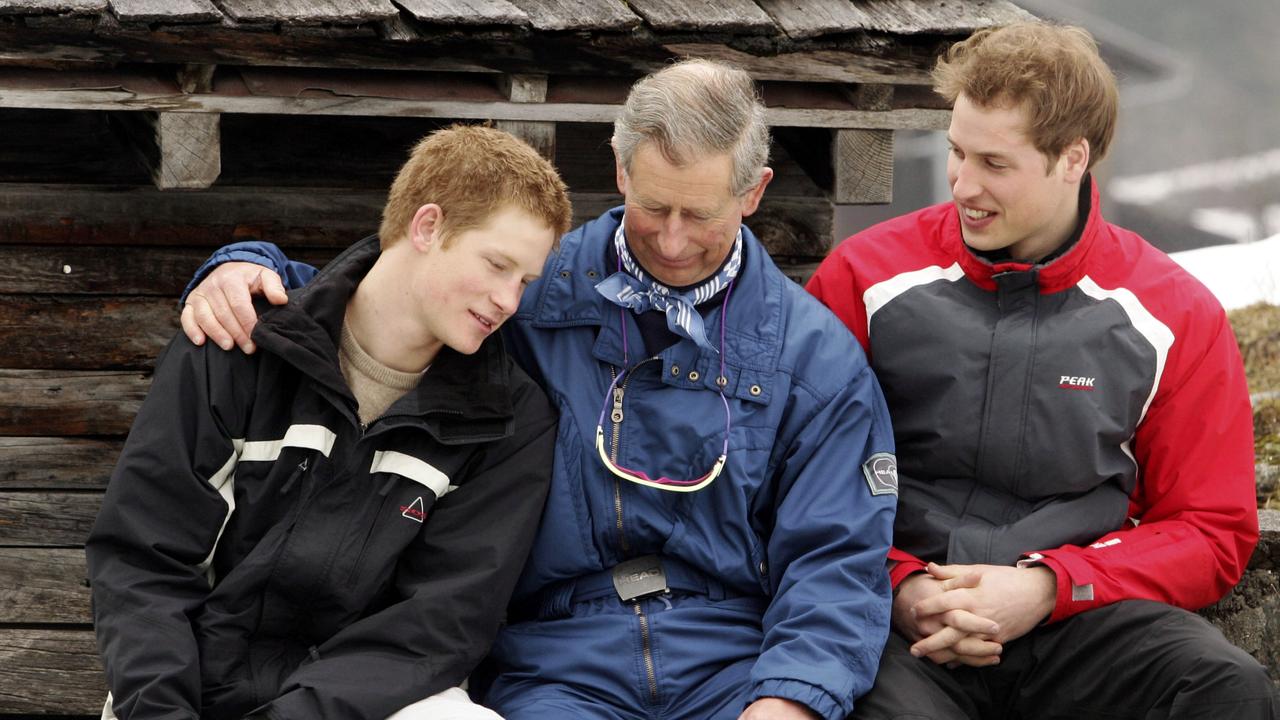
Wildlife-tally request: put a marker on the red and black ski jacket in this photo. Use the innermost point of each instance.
(1089, 413)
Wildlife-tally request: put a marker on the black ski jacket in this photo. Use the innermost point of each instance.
(259, 550)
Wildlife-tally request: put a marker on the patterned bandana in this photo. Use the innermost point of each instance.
(632, 288)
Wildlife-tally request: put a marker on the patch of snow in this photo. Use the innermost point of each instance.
(1238, 275)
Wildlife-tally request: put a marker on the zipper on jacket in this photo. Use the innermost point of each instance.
(647, 648)
(287, 485)
(616, 417)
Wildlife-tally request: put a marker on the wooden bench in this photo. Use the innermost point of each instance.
(49, 494)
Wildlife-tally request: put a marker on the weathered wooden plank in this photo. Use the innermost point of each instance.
(32, 519)
(50, 402)
(50, 672)
(165, 11)
(466, 12)
(911, 17)
(35, 463)
(43, 585)
(616, 54)
(113, 215)
(110, 270)
(179, 150)
(906, 67)
(706, 15)
(309, 12)
(35, 7)
(73, 332)
(803, 19)
(117, 99)
(597, 15)
(863, 166)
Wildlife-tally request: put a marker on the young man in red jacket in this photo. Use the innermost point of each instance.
(1073, 427)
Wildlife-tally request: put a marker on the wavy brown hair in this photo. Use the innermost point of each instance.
(472, 172)
(1054, 71)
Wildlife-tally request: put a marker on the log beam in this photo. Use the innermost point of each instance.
(36, 463)
(43, 585)
(59, 403)
(34, 519)
(35, 663)
(863, 166)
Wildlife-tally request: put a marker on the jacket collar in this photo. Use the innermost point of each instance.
(1062, 271)
(462, 398)
(565, 296)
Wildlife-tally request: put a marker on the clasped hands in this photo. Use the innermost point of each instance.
(964, 614)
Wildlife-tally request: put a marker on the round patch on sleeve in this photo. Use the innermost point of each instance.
(881, 472)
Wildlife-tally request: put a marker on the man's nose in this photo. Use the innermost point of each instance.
(507, 298)
(963, 184)
(673, 237)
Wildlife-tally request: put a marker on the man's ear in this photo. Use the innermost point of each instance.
(751, 201)
(1075, 160)
(424, 230)
(620, 174)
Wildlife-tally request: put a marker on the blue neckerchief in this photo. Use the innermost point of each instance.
(632, 288)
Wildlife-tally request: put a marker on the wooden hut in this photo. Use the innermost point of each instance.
(138, 135)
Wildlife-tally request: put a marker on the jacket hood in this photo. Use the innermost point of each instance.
(462, 398)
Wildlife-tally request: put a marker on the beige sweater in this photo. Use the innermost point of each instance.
(375, 385)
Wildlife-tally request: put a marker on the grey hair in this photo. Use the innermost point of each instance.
(694, 108)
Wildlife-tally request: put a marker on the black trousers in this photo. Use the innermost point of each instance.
(1134, 659)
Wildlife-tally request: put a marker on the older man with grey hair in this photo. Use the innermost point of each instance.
(724, 485)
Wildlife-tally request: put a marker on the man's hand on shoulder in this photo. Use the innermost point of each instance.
(770, 708)
(221, 306)
(1015, 599)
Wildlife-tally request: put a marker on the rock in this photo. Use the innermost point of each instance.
(1249, 615)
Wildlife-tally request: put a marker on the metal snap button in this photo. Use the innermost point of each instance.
(755, 390)
(591, 273)
(564, 273)
(675, 370)
(722, 381)
(764, 569)
(693, 375)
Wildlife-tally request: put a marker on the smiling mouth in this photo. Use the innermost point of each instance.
(484, 321)
(973, 214)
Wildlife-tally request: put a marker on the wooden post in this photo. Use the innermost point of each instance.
(863, 162)
(180, 150)
(529, 89)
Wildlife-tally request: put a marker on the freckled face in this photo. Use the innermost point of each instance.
(467, 289)
(1005, 195)
(681, 220)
